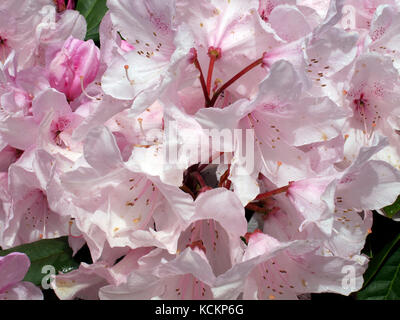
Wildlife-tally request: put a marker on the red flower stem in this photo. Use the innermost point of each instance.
(268, 194)
(202, 81)
(224, 177)
(232, 80)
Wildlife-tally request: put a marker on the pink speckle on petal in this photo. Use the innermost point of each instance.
(378, 33)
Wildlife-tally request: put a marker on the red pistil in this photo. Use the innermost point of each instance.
(268, 194)
(196, 63)
(214, 54)
(233, 79)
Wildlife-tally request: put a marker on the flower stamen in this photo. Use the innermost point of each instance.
(84, 91)
(196, 63)
(132, 82)
(233, 79)
(271, 193)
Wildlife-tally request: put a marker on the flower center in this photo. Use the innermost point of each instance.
(4, 49)
(57, 127)
(367, 113)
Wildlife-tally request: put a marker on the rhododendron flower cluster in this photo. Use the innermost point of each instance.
(208, 149)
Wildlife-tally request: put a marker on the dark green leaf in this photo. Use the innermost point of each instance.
(378, 260)
(382, 279)
(391, 210)
(93, 11)
(54, 252)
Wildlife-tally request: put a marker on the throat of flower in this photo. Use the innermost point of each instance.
(4, 50)
(363, 108)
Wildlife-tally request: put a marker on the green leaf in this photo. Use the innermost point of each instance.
(93, 11)
(54, 252)
(378, 260)
(382, 279)
(394, 208)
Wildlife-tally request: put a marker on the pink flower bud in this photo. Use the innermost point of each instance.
(76, 59)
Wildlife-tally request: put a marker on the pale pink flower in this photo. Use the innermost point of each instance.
(320, 6)
(186, 276)
(29, 217)
(208, 247)
(384, 32)
(274, 116)
(127, 208)
(272, 269)
(13, 268)
(85, 282)
(31, 26)
(372, 94)
(350, 200)
(368, 184)
(160, 47)
(363, 12)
